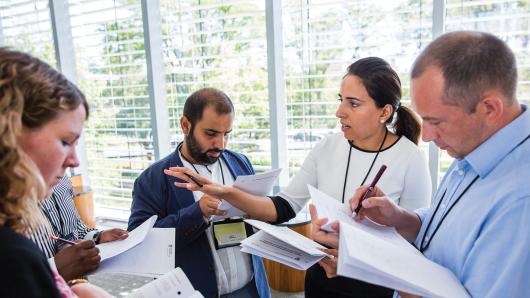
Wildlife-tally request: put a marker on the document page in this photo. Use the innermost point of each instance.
(287, 235)
(259, 184)
(153, 257)
(370, 258)
(111, 249)
(282, 245)
(270, 247)
(334, 210)
(172, 284)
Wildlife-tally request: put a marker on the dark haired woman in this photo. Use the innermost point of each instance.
(376, 130)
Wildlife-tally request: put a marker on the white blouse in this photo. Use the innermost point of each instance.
(406, 180)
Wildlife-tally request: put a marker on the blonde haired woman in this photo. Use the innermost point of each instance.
(41, 118)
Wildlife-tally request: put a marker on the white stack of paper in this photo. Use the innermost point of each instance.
(111, 249)
(282, 245)
(259, 185)
(153, 257)
(172, 284)
(368, 257)
(333, 210)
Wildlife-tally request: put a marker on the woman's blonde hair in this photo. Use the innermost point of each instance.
(32, 94)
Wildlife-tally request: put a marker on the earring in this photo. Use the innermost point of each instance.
(382, 121)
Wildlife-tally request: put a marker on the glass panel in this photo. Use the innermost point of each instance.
(25, 25)
(222, 45)
(111, 66)
(323, 37)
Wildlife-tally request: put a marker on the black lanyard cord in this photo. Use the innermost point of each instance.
(369, 169)
(208, 169)
(423, 248)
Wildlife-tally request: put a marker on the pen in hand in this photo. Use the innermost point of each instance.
(193, 179)
(62, 240)
(370, 188)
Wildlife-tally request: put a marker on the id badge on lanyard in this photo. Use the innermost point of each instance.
(230, 232)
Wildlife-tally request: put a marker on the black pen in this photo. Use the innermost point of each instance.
(193, 179)
(370, 188)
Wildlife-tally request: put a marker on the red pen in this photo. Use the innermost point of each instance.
(62, 240)
(370, 188)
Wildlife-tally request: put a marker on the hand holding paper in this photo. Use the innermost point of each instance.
(110, 249)
(283, 245)
(332, 209)
(318, 234)
(259, 184)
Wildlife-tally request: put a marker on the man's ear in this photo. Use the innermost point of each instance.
(492, 107)
(185, 125)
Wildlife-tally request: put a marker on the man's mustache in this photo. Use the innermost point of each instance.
(216, 150)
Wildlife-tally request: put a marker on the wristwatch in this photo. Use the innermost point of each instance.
(96, 237)
(77, 281)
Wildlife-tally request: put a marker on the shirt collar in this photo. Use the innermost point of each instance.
(486, 156)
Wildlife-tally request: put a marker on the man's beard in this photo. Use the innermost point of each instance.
(195, 151)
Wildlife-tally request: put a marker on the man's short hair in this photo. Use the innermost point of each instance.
(471, 64)
(202, 98)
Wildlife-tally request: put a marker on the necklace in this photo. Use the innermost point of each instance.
(369, 169)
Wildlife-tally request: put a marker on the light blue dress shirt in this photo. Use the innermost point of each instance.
(485, 238)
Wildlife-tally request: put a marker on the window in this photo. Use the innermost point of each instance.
(25, 25)
(111, 67)
(220, 44)
(509, 20)
(223, 44)
(323, 37)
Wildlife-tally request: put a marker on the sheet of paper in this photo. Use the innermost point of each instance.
(170, 285)
(334, 210)
(111, 249)
(289, 236)
(259, 184)
(368, 257)
(270, 247)
(153, 257)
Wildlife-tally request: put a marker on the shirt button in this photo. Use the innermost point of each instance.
(426, 238)
(442, 206)
(460, 172)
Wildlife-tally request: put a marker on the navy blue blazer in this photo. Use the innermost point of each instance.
(155, 193)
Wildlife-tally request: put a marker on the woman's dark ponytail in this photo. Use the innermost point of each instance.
(407, 124)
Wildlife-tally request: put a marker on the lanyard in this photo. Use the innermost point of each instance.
(369, 169)
(193, 166)
(422, 248)
(220, 168)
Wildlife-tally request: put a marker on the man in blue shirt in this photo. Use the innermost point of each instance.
(214, 269)
(464, 86)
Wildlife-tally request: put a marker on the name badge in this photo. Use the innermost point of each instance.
(229, 233)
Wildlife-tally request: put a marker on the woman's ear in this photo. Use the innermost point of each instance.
(386, 112)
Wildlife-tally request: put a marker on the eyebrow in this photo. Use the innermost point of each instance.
(350, 97)
(75, 135)
(428, 118)
(216, 131)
